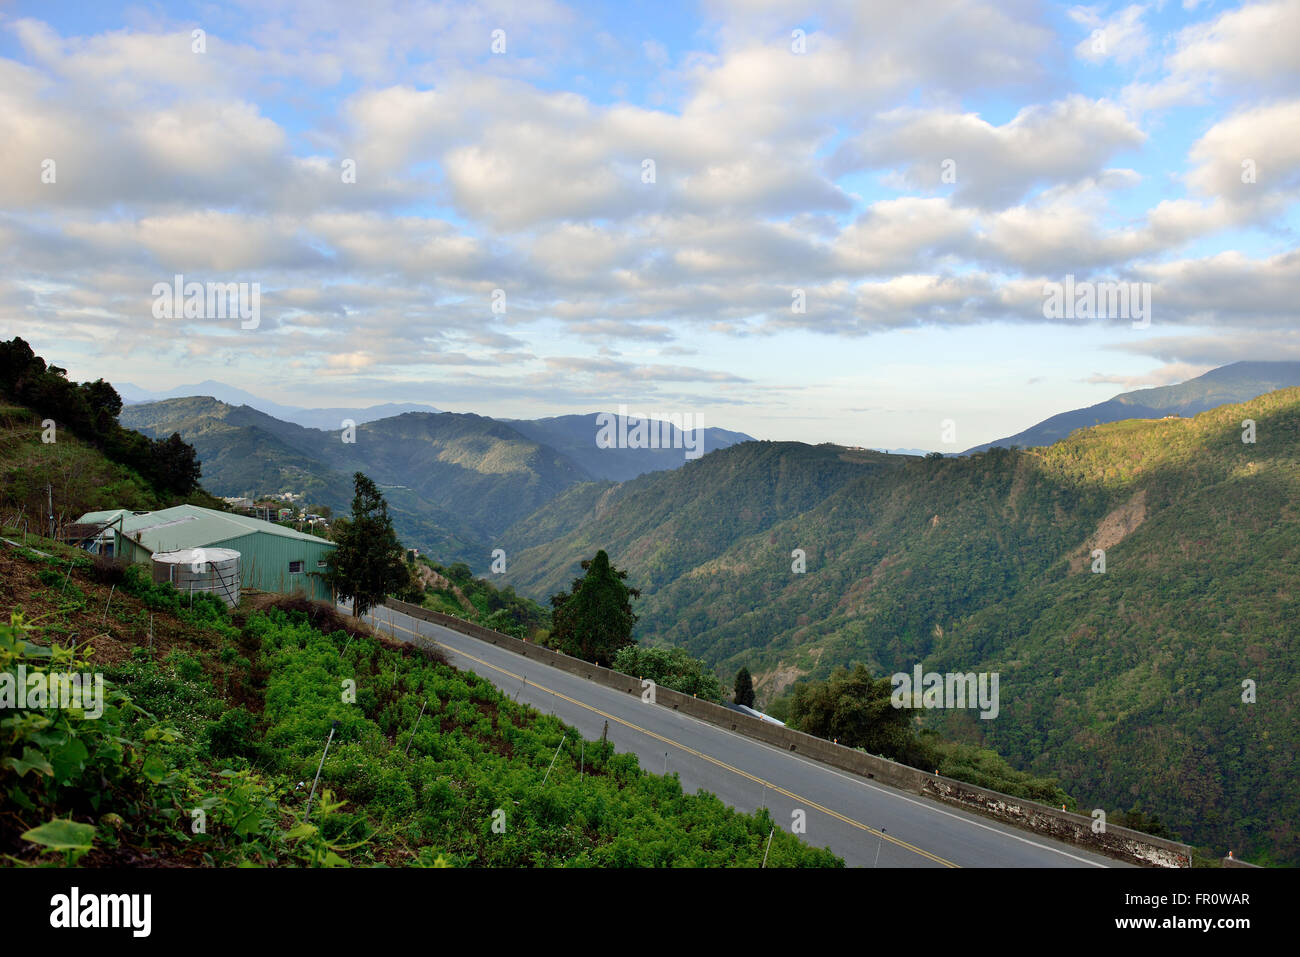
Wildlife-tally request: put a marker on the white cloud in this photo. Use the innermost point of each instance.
(1168, 374)
(1217, 349)
(1250, 155)
(475, 173)
(1254, 44)
(995, 166)
(896, 234)
(1227, 288)
(1121, 36)
(201, 241)
(1249, 50)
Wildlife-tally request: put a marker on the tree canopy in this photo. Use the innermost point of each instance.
(670, 668)
(368, 563)
(744, 688)
(594, 619)
(854, 708)
(89, 411)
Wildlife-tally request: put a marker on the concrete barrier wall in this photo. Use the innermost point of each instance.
(1118, 842)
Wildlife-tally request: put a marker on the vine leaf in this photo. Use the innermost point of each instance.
(32, 760)
(62, 835)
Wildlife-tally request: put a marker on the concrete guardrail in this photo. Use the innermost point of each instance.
(1077, 829)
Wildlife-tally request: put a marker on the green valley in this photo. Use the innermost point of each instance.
(1127, 684)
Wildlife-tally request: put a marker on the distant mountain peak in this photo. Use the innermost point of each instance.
(328, 419)
(1235, 382)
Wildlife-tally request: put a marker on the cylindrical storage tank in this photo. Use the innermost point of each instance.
(213, 570)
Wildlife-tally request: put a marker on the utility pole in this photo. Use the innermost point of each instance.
(49, 488)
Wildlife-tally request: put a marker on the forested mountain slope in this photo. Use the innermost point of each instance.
(456, 481)
(1126, 682)
(666, 524)
(453, 481)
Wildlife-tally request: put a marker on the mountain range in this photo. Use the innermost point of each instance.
(574, 437)
(1127, 682)
(572, 434)
(792, 559)
(1236, 382)
(331, 418)
(454, 481)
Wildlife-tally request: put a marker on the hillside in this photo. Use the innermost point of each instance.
(469, 465)
(64, 435)
(212, 719)
(1237, 382)
(330, 418)
(83, 479)
(451, 479)
(70, 471)
(1118, 682)
(455, 481)
(242, 450)
(1131, 682)
(666, 524)
(575, 437)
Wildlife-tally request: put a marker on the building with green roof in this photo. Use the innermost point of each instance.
(272, 557)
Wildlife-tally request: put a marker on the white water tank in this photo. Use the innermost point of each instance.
(213, 570)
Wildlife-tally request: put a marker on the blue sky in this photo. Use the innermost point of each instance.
(917, 174)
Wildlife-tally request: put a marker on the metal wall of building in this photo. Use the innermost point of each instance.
(265, 558)
(264, 561)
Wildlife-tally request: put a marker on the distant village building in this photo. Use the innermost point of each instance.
(272, 557)
(267, 510)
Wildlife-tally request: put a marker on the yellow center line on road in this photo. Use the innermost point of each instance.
(802, 801)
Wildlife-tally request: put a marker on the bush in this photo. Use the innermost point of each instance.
(48, 576)
(199, 608)
(670, 668)
(234, 734)
(187, 666)
(321, 615)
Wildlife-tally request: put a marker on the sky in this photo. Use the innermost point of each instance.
(815, 221)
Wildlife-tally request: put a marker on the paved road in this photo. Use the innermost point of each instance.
(857, 819)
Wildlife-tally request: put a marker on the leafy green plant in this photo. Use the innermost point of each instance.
(422, 763)
(61, 764)
(70, 838)
(670, 668)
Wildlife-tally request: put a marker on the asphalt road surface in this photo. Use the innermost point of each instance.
(865, 823)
